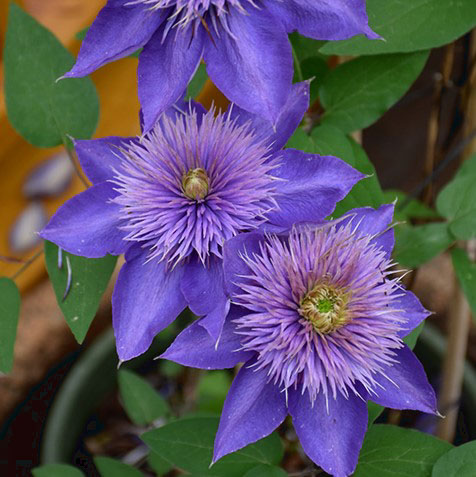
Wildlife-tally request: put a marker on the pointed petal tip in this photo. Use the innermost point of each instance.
(371, 35)
(217, 455)
(148, 124)
(165, 355)
(72, 73)
(45, 233)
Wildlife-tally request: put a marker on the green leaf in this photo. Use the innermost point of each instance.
(212, 391)
(457, 202)
(188, 445)
(57, 470)
(89, 279)
(390, 451)
(409, 25)
(358, 92)
(41, 109)
(331, 141)
(113, 468)
(308, 62)
(411, 339)
(266, 471)
(158, 464)
(315, 69)
(302, 141)
(142, 402)
(304, 47)
(414, 209)
(367, 192)
(416, 245)
(466, 273)
(458, 462)
(467, 168)
(9, 312)
(197, 82)
(81, 34)
(374, 411)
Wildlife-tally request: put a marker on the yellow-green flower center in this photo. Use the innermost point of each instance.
(325, 307)
(195, 184)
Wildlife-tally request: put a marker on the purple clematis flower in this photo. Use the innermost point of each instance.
(318, 318)
(170, 199)
(244, 44)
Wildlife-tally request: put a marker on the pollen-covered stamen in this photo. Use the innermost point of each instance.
(195, 184)
(325, 308)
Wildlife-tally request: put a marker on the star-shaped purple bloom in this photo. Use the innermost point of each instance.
(171, 198)
(318, 318)
(244, 44)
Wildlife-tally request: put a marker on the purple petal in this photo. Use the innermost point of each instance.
(98, 157)
(288, 120)
(233, 264)
(214, 320)
(412, 309)
(181, 107)
(253, 409)
(410, 388)
(195, 348)
(204, 289)
(331, 437)
(117, 32)
(375, 222)
(146, 299)
(324, 19)
(165, 68)
(253, 68)
(311, 188)
(87, 224)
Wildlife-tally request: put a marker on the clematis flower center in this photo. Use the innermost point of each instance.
(185, 12)
(192, 183)
(195, 184)
(325, 308)
(323, 312)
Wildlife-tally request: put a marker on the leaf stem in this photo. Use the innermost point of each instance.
(74, 160)
(26, 264)
(297, 66)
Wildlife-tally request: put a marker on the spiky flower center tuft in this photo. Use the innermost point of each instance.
(322, 311)
(206, 13)
(195, 184)
(192, 183)
(325, 308)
